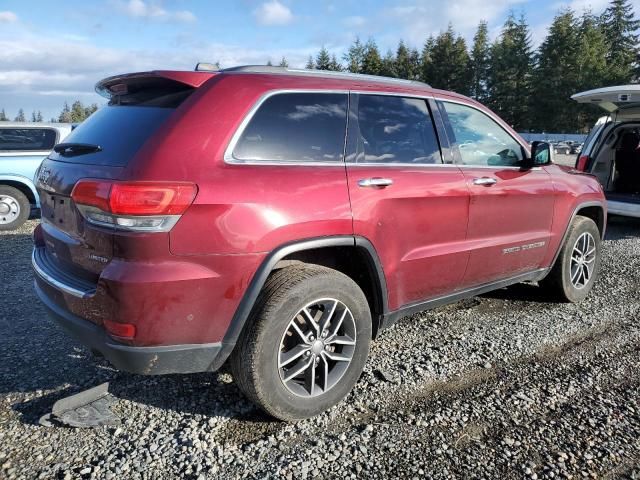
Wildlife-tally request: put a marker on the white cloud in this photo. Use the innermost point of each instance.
(273, 13)
(8, 17)
(421, 18)
(154, 11)
(354, 22)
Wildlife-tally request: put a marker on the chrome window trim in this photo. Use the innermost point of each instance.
(228, 153)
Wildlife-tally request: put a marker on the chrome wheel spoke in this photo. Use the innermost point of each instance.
(296, 352)
(327, 315)
(335, 329)
(337, 357)
(310, 378)
(325, 373)
(300, 367)
(312, 321)
(342, 340)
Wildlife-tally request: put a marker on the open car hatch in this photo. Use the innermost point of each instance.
(623, 100)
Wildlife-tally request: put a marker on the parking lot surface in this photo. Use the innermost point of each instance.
(506, 385)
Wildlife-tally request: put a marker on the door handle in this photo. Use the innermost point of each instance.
(485, 181)
(375, 182)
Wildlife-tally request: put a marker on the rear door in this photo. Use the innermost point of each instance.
(405, 200)
(511, 209)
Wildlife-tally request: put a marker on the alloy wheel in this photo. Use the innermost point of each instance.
(583, 259)
(317, 347)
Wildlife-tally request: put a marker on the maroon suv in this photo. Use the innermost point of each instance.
(278, 219)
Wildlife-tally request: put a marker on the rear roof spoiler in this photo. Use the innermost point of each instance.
(109, 86)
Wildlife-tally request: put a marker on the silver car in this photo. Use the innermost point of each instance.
(23, 146)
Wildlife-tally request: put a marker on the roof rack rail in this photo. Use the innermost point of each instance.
(319, 73)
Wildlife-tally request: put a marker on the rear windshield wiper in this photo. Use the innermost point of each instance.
(73, 149)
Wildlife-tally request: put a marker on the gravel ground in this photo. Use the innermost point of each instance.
(507, 384)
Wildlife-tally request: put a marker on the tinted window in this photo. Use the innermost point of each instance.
(299, 127)
(120, 131)
(396, 130)
(480, 139)
(27, 139)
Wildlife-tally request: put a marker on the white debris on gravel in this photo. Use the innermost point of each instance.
(505, 385)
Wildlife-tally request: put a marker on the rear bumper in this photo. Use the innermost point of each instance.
(153, 360)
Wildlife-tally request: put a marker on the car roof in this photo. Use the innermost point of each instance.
(284, 77)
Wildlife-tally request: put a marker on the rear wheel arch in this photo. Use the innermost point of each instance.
(328, 252)
(23, 187)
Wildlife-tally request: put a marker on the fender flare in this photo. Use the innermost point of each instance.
(24, 181)
(266, 267)
(579, 207)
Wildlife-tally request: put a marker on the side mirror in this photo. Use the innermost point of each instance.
(541, 154)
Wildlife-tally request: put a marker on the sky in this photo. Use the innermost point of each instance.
(55, 51)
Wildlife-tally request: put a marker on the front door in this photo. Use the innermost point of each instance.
(405, 200)
(511, 208)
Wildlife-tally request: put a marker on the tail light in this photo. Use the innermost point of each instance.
(135, 206)
(124, 331)
(582, 162)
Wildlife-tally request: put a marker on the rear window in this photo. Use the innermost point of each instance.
(27, 139)
(123, 126)
(296, 127)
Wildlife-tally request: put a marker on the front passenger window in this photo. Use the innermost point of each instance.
(480, 140)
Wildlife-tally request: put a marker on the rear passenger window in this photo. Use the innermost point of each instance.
(27, 139)
(296, 127)
(396, 130)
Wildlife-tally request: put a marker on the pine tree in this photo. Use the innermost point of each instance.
(388, 68)
(479, 65)
(334, 64)
(90, 110)
(511, 65)
(404, 66)
(414, 61)
(425, 58)
(310, 65)
(65, 115)
(20, 117)
(283, 63)
(448, 63)
(592, 66)
(323, 59)
(33, 116)
(3, 116)
(39, 116)
(556, 77)
(354, 56)
(269, 64)
(371, 61)
(620, 26)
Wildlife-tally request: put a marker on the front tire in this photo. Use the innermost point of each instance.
(578, 263)
(305, 344)
(14, 208)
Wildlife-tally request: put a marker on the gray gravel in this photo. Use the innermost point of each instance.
(505, 385)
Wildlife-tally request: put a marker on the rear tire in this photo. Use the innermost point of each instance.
(280, 339)
(14, 208)
(578, 264)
